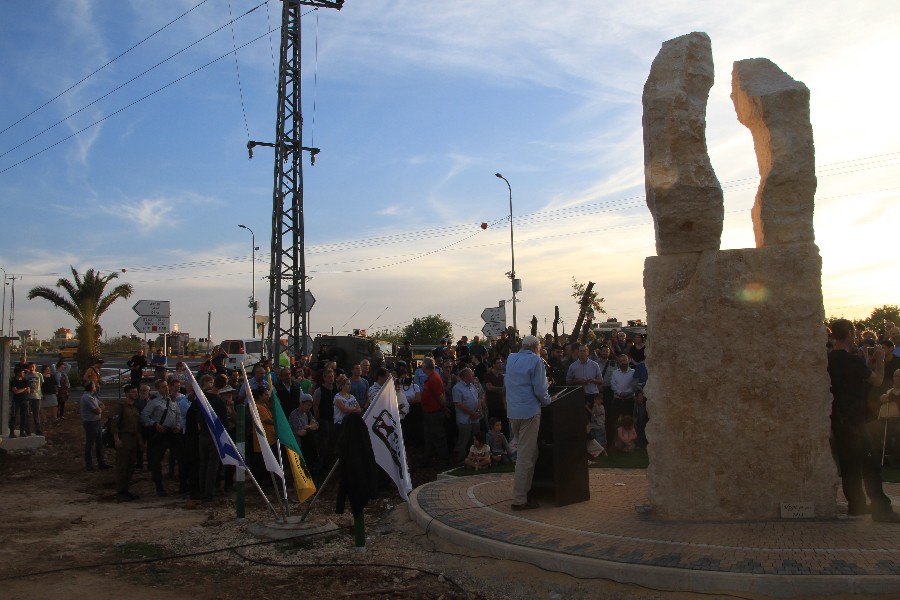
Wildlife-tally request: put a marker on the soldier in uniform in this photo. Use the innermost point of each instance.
(126, 430)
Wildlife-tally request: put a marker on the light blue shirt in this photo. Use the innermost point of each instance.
(183, 405)
(419, 377)
(467, 395)
(585, 370)
(526, 385)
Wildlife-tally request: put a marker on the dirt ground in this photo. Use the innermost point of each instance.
(63, 535)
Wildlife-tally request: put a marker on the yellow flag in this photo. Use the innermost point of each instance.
(303, 483)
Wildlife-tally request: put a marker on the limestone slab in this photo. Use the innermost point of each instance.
(775, 108)
(683, 193)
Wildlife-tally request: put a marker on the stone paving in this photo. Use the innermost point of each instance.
(614, 536)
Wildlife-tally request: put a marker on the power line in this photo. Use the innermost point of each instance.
(238, 70)
(435, 232)
(83, 79)
(312, 141)
(133, 79)
(138, 101)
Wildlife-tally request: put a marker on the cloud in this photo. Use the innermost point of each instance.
(146, 215)
(391, 211)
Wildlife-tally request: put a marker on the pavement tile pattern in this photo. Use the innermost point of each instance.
(615, 525)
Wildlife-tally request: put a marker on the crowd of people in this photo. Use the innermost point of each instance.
(39, 395)
(452, 404)
(461, 390)
(458, 406)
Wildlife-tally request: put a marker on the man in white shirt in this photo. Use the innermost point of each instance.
(468, 411)
(587, 373)
(622, 384)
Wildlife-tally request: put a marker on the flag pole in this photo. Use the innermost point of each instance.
(359, 528)
(211, 420)
(285, 507)
(263, 494)
(319, 489)
(284, 499)
(239, 474)
(262, 440)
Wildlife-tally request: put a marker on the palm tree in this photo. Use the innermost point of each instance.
(86, 303)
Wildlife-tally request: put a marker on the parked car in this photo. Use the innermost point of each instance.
(247, 351)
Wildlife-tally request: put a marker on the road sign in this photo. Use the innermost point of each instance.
(494, 320)
(307, 305)
(152, 308)
(494, 314)
(152, 324)
(493, 329)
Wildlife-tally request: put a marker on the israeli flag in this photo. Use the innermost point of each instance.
(228, 452)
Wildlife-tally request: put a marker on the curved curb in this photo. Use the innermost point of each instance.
(659, 577)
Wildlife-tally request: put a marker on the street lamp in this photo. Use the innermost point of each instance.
(253, 304)
(516, 283)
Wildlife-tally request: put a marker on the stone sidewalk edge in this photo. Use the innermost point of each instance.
(656, 577)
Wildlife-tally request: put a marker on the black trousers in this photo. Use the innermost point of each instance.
(860, 466)
(156, 449)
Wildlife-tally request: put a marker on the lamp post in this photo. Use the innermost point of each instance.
(253, 304)
(516, 284)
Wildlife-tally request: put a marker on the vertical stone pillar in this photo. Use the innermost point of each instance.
(775, 108)
(683, 193)
(738, 391)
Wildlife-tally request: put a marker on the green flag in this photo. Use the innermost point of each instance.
(282, 427)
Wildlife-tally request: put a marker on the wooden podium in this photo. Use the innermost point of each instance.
(561, 472)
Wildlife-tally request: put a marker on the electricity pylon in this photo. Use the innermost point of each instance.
(287, 274)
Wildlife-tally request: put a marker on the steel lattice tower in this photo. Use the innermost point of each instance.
(287, 275)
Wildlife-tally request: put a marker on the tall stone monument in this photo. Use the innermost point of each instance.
(739, 394)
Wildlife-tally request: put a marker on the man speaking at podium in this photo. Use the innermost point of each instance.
(526, 392)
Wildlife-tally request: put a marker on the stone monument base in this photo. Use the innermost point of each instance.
(739, 400)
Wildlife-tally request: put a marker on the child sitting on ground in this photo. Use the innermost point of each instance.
(479, 453)
(500, 450)
(626, 436)
(598, 420)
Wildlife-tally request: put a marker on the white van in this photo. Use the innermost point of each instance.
(247, 351)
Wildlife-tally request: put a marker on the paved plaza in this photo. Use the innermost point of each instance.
(615, 536)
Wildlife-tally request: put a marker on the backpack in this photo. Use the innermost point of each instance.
(106, 434)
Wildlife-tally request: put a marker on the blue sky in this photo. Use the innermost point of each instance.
(415, 106)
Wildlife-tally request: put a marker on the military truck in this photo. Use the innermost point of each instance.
(348, 349)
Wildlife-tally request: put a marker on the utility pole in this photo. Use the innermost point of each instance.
(12, 303)
(287, 275)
